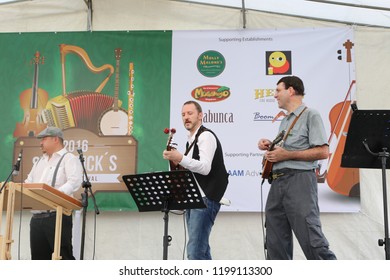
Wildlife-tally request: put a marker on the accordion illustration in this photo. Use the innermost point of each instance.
(82, 108)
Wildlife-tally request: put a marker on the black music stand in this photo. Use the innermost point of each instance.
(367, 145)
(164, 191)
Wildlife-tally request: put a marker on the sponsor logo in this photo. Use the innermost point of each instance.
(278, 63)
(258, 117)
(265, 95)
(217, 117)
(245, 173)
(211, 93)
(211, 63)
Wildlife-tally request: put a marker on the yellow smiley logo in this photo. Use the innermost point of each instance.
(277, 59)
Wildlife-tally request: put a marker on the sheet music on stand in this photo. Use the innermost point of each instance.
(165, 191)
(177, 188)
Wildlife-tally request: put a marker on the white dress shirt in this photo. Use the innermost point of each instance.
(207, 145)
(69, 175)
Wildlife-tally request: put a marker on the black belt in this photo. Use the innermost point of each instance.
(285, 171)
(44, 215)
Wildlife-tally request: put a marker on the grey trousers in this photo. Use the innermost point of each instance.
(292, 206)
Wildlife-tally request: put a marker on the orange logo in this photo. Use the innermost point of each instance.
(211, 93)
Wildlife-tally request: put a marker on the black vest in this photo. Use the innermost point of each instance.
(215, 183)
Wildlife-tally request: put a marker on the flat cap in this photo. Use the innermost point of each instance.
(51, 131)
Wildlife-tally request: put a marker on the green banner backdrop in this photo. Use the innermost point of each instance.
(150, 53)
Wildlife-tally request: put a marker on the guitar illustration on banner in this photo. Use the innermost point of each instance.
(267, 165)
(114, 121)
(33, 101)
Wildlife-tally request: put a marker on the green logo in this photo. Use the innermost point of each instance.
(211, 63)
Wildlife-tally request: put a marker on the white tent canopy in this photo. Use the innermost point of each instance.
(360, 12)
(60, 15)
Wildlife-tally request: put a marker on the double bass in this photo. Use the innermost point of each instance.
(342, 180)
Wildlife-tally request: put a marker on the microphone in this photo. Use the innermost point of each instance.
(81, 156)
(17, 164)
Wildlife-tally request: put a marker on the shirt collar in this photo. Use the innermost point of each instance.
(59, 153)
(191, 138)
(298, 110)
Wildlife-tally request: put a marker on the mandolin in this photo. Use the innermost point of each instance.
(267, 165)
(33, 102)
(170, 146)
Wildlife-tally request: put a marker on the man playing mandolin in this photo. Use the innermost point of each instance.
(204, 157)
(292, 203)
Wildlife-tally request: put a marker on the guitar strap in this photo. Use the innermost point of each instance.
(285, 136)
(292, 125)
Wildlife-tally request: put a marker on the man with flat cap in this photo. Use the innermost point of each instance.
(62, 170)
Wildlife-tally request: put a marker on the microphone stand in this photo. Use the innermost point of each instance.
(84, 201)
(15, 168)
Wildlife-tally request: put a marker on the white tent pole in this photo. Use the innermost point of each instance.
(89, 18)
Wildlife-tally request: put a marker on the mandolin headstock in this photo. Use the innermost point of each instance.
(170, 144)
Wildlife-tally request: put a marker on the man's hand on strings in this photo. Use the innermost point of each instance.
(173, 155)
(277, 154)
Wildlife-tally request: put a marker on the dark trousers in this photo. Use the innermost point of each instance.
(292, 206)
(42, 233)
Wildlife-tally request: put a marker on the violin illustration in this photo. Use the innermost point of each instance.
(32, 101)
(342, 180)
